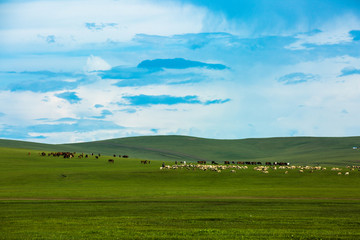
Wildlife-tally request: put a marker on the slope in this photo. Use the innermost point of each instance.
(296, 150)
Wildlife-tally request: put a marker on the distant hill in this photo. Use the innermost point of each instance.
(296, 150)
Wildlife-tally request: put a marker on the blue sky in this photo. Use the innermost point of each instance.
(85, 70)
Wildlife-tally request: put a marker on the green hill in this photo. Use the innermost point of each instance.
(296, 150)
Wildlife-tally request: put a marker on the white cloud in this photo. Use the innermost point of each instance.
(335, 31)
(94, 63)
(31, 22)
(27, 106)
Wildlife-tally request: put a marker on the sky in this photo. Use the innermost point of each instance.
(85, 70)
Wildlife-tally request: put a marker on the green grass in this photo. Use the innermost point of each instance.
(296, 150)
(225, 219)
(57, 198)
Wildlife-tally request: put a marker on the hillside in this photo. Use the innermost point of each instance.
(296, 150)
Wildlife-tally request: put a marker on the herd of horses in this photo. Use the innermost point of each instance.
(82, 155)
(73, 154)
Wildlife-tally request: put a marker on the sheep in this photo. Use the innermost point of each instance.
(335, 169)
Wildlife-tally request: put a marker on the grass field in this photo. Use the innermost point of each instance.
(296, 150)
(88, 198)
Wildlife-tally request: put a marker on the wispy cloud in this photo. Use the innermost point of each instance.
(80, 125)
(148, 100)
(71, 97)
(99, 26)
(49, 38)
(349, 71)
(108, 19)
(99, 106)
(161, 72)
(103, 114)
(17, 132)
(120, 72)
(178, 63)
(41, 81)
(95, 63)
(296, 78)
(216, 101)
(41, 131)
(42, 85)
(192, 41)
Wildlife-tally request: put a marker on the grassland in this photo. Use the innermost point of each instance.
(296, 150)
(88, 198)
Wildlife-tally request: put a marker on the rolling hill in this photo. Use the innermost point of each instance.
(296, 150)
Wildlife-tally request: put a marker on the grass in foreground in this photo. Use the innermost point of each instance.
(128, 200)
(202, 219)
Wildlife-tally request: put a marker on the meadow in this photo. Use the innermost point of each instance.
(89, 198)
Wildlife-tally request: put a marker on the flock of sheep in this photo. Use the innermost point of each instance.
(204, 167)
(263, 169)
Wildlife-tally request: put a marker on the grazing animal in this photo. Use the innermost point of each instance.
(125, 156)
(111, 161)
